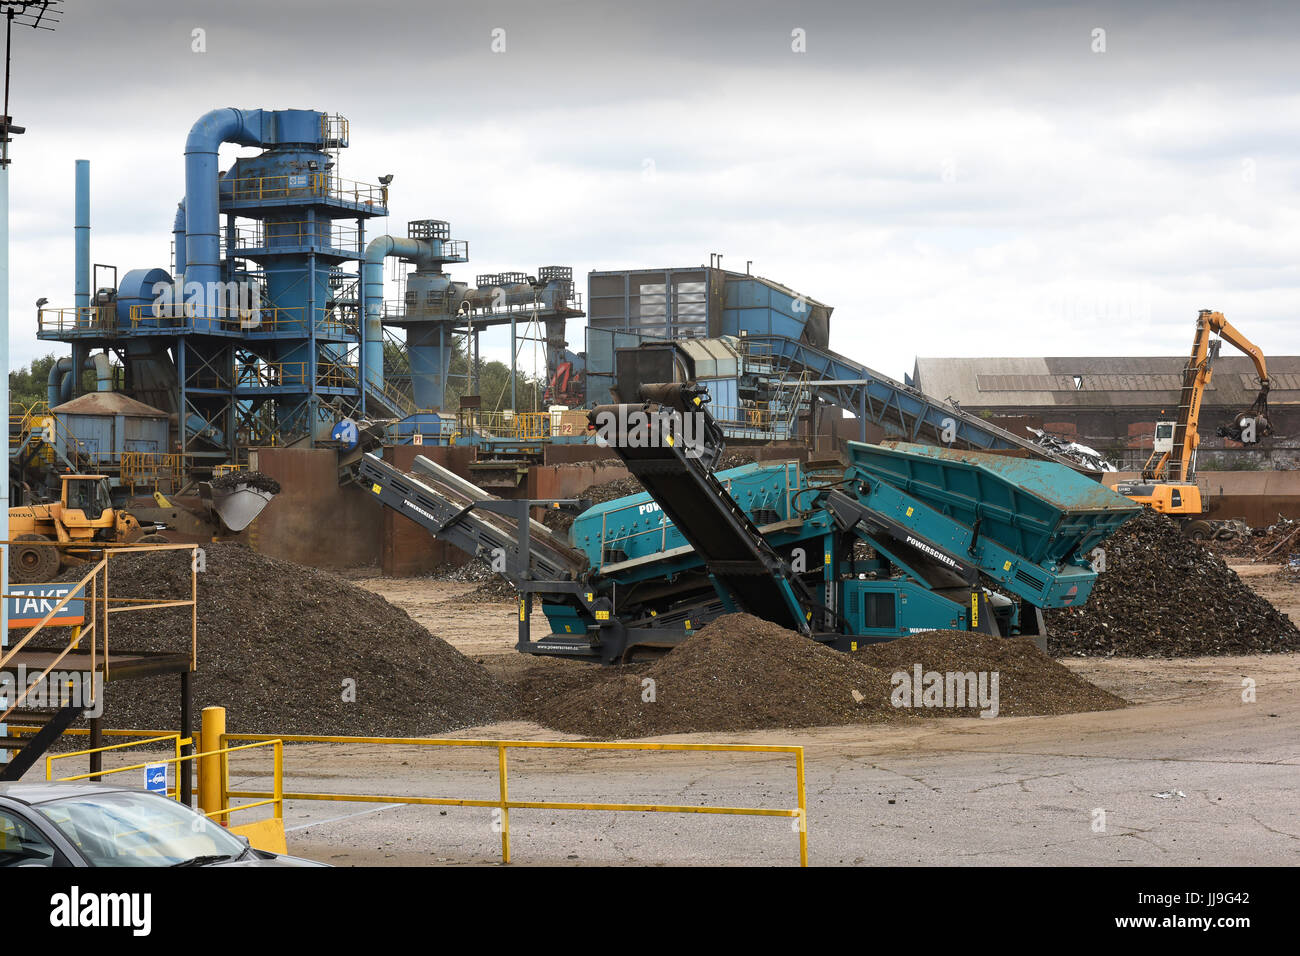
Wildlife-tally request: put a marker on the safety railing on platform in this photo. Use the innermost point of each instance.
(523, 426)
(26, 418)
(324, 233)
(304, 186)
(287, 320)
(336, 375)
(270, 374)
(153, 470)
(96, 607)
(78, 319)
(504, 804)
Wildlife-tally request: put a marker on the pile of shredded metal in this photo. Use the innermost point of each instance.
(1163, 595)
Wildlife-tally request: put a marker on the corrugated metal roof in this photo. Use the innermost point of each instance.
(108, 403)
(1101, 380)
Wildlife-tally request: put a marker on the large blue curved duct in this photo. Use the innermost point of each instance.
(58, 385)
(202, 210)
(419, 251)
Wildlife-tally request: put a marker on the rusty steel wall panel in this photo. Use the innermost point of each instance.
(314, 521)
(407, 550)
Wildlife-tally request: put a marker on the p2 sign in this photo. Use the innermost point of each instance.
(155, 778)
(28, 603)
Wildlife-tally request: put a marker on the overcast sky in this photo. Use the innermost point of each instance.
(954, 178)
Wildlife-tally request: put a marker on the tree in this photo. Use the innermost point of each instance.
(28, 385)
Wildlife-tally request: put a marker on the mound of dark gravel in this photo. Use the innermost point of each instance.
(253, 479)
(278, 641)
(1163, 595)
(1029, 682)
(742, 673)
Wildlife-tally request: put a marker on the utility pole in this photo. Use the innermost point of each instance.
(41, 15)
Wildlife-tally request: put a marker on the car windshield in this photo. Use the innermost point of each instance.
(134, 828)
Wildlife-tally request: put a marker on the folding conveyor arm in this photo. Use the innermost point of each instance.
(669, 442)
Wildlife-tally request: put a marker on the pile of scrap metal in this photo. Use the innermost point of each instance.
(1085, 455)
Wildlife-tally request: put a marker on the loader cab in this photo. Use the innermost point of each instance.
(86, 501)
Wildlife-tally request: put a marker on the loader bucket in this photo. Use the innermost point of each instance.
(239, 506)
(236, 499)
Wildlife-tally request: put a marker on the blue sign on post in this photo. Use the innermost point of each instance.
(28, 603)
(155, 778)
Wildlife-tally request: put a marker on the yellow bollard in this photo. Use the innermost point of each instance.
(213, 722)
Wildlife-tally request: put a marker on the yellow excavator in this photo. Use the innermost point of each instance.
(1168, 483)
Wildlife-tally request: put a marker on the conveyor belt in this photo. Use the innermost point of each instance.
(444, 504)
(743, 566)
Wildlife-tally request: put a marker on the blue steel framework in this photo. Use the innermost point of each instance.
(277, 370)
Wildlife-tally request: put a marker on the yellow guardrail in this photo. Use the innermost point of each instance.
(260, 836)
(504, 804)
(151, 468)
(176, 740)
(525, 426)
(261, 319)
(279, 234)
(306, 185)
(102, 317)
(270, 374)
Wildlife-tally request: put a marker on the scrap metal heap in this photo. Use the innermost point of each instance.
(906, 538)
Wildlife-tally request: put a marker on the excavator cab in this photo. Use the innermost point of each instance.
(1164, 442)
(86, 502)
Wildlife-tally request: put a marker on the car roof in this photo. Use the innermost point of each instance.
(43, 792)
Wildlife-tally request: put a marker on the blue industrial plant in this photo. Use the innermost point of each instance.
(271, 328)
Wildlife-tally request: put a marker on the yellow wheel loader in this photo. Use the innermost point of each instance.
(46, 538)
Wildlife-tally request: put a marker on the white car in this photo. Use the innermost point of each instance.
(93, 824)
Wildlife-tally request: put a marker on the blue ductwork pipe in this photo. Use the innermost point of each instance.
(178, 239)
(53, 384)
(419, 251)
(58, 385)
(81, 234)
(202, 211)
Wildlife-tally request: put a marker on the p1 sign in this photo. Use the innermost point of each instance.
(155, 778)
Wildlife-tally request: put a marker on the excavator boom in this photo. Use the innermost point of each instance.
(1177, 463)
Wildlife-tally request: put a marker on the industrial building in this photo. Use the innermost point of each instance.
(1112, 403)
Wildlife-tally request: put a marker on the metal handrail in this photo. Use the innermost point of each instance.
(504, 804)
(309, 185)
(72, 319)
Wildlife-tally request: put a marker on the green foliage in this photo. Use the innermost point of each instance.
(493, 379)
(27, 385)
